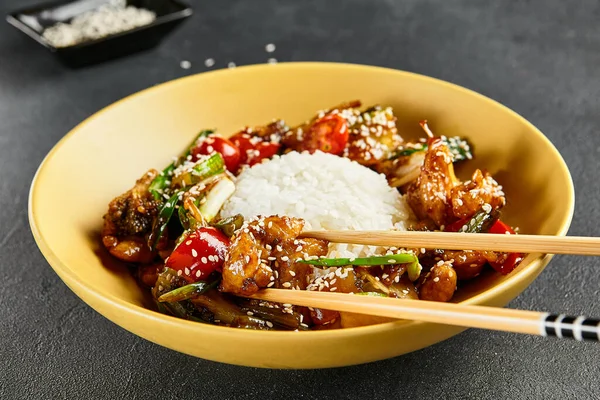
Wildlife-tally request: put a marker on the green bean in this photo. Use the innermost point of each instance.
(187, 292)
(402, 258)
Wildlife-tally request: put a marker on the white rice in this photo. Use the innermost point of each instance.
(327, 191)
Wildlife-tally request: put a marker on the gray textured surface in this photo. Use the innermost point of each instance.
(538, 57)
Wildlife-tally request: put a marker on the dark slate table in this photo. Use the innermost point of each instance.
(541, 58)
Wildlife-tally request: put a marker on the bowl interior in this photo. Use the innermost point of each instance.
(104, 155)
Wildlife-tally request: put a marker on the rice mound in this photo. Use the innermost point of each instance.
(327, 191)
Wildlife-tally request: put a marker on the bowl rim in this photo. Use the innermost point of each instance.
(534, 267)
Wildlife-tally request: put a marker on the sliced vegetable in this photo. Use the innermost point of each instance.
(509, 264)
(227, 313)
(215, 199)
(201, 253)
(407, 151)
(210, 166)
(501, 228)
(167, 281)
(481, 221)
(190, 217)
(372, 283)
(195, 217)
(459, 147)
(513, 259)
(276, 316)
(184, 218)
(371, 294)
(229, 225)
(328, 134)
(162, 181)
(188, 291)
(402, 258)
(216, 143)
(414, 270)
(161, 222)
(254, 149)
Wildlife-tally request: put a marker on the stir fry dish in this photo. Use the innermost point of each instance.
(225, 219)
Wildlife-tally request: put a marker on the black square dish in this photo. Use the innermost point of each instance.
(34, 20)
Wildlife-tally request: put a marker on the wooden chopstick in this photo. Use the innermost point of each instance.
(499, 319)
(589, 246)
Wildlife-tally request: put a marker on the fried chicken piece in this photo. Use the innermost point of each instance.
(373, 136)
(439, 284)
(469, 197)
(128, 219)
(438, 196)
(428, 195)
(264, 253)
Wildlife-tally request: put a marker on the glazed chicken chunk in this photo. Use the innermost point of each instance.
(439, 197)
(265, 253)
(129, 219)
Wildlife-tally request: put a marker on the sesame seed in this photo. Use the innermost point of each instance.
(231, 65)
(250, 313)
(272, 61)
(333, 289)
(179, 273)
(270, 48)
(285, 258)
(270, 284)
(247, 258)
(185, 64)
(198, 273)
(436, 279)
(188, 242)
(292, 273)
(209, 62)
(111, 18)
(269, 324)
(194, 253)
(203, 260)
(286, 284)
(187, 271)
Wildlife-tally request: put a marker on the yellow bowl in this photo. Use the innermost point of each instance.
(103, 156)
